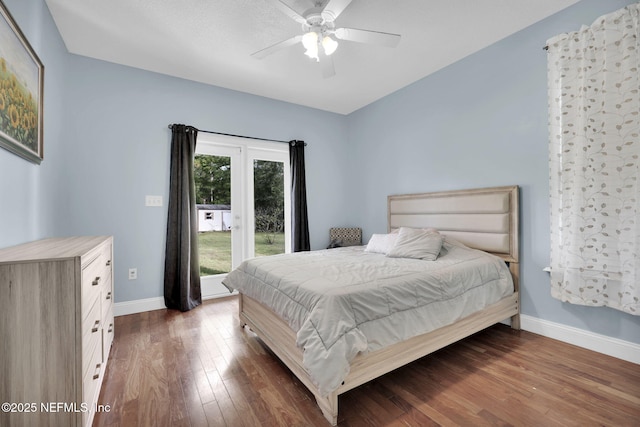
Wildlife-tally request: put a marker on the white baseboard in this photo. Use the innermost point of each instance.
(138, 306)
(149, 304)
(620, 349)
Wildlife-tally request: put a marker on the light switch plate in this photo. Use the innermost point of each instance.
(153, 201)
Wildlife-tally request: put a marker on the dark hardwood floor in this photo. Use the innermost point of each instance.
(200, 368)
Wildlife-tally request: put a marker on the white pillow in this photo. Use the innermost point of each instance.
(416, 243)
(381, 243)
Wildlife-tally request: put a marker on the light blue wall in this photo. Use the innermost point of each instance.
(107, 146)
(28, 193)
(480, 122)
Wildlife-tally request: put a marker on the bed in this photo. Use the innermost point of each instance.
(348, 335)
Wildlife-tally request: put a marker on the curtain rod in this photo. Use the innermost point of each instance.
(238, 136)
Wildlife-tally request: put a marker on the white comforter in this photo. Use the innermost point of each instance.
(344, 301)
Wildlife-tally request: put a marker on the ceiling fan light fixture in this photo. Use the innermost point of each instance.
(329, 45)
(313, 53)
(310, 43)
(310, 40)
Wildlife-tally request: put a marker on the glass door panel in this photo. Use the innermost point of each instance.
(218, 181)
(268, 207)
(268, 202)
(212, 175)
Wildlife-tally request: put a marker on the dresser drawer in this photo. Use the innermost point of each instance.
(91, 334)
(91, 382)
(107, 296)
(107, 321)
(94, 276)
(108, 333)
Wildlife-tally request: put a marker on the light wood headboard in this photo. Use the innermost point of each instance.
(483, 218)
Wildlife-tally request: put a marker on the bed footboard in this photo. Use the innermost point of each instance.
(277, 335)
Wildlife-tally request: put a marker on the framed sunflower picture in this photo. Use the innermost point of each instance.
(21, 90)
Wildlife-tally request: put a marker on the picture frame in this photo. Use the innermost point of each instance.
(21, 92)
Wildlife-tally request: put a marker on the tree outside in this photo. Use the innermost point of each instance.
(269, 198)
(212, 175)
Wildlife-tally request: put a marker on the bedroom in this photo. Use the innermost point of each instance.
(106, 147)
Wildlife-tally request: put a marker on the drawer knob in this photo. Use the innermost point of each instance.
(110, 328)
(96, 281)
(108, 295)
(108, 263)
(96, 376)
(95, 326)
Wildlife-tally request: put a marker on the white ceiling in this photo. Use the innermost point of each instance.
(210, 41)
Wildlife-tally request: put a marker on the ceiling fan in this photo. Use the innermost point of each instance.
(320, 33)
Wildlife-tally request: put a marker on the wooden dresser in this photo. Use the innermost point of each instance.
(56, 329)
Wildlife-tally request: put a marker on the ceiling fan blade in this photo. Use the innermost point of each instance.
(366, 36)
(334, 8)
(328, 69)
(276, 47)
(284, 8)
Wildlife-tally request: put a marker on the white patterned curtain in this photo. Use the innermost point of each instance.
(594, 150)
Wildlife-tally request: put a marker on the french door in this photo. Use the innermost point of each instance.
(243, 203)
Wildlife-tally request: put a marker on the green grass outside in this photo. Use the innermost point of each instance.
(215, 250)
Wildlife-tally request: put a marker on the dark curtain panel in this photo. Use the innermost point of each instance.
(181, 265)
(299, 217)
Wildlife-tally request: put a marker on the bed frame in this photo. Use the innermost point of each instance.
(485, 219)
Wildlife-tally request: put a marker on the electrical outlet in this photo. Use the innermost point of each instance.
(154, 201)
(133, 273)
